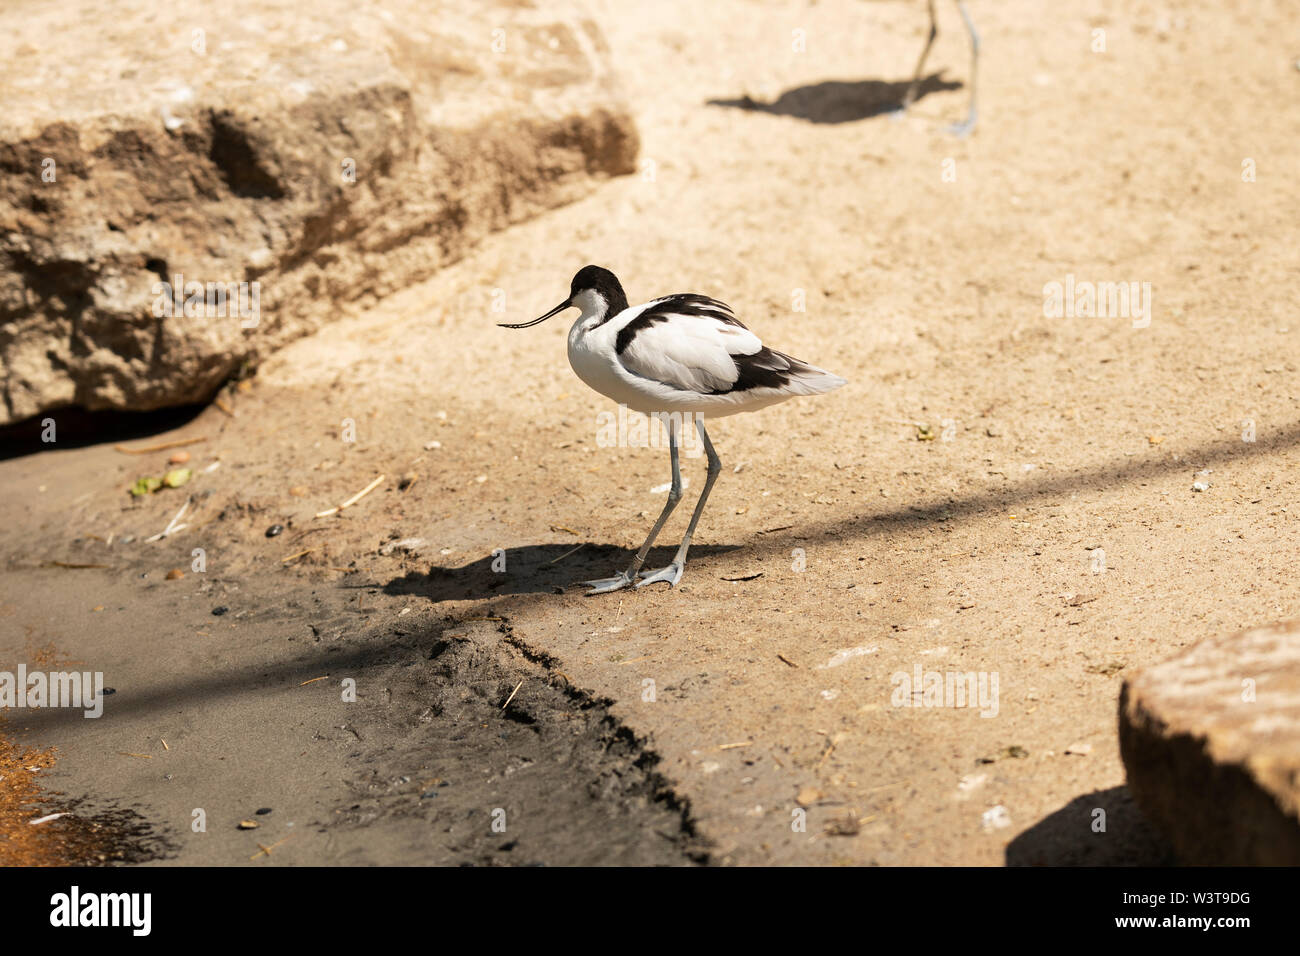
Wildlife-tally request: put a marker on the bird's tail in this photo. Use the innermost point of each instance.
(805, 379)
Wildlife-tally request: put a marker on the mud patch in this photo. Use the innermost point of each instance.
(490, 748)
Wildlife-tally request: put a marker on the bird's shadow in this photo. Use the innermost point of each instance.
(1102, 828)
(840, 101)
(533, 569)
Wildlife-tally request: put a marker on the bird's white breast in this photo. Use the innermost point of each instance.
(594, 360)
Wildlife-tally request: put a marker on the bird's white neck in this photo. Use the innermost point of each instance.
(595, 310)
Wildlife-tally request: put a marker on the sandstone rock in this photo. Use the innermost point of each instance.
(1211, 743)
(329, 152)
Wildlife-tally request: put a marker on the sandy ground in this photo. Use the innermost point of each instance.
(995, 491)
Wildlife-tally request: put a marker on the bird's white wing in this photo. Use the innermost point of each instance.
(688, 342)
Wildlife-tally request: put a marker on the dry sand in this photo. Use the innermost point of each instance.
(977, 551)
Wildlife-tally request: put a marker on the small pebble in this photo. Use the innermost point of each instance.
(180, 458)
(275, 529)
(808, 796)
(995, 818)
(405, 546)
(846, 825)
(175, 574)
(263, 811)
(218, 611)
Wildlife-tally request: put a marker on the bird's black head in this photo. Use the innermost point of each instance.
(593, 290)
(602, 282)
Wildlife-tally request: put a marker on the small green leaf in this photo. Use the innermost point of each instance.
(145, 486)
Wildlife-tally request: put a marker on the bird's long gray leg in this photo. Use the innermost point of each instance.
(915, 85)
(605, 585)
(964, 128)
(673, 573)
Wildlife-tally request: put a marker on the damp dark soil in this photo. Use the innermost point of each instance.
(501, 761)
(316, 723)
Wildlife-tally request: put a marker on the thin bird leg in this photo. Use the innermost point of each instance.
(964, 128)
(620, 581)
(673, 573)
(915, 86)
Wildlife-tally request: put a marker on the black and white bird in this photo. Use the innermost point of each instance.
(678, 358)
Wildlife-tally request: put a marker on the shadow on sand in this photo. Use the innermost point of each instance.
(840, 101)
(1072, 836)
(538, 569)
